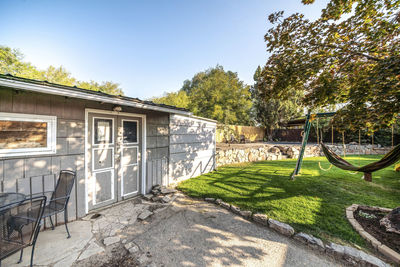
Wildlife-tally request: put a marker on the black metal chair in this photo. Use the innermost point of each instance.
(60, 197)
(58, 202)
(20, 226)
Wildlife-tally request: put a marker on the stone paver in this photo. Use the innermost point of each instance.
(91, 250)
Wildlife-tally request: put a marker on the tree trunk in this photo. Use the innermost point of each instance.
(368, 176)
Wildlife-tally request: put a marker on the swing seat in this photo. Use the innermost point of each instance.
(390, 158)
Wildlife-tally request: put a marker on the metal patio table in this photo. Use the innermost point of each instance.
(8, 200)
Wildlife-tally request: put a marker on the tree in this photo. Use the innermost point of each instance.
(350, 55)
(215, 94)
(105, 87)
(273, 112)
(11, 62)
(220, 95)
(59, 75)
(178, 99)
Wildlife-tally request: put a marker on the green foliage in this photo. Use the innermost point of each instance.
(215, 94)
(314, 204)
(59, 75)
(105, 87)
(271, 112)
(350, 55)
(11, 62)
(178, 99)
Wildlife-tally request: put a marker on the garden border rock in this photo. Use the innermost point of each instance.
(385, 250)
(347, 254)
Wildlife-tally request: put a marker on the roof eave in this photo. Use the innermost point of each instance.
(82, 95)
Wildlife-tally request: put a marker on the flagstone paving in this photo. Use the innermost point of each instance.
(182, 232)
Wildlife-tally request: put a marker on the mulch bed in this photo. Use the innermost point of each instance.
(372, 226)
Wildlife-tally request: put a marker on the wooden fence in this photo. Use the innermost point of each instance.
(251, 133)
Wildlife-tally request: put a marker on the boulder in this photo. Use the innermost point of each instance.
(235, 209)
(210, 199)
(310, 240)
(225, 205)
(281, 227)
(392, 221)
(252, 157)
(354, 256)
(260, 218)
(275, 150)
(245, 213)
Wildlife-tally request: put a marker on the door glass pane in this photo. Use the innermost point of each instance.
(130, 133)
(103, 131)
(22, 134)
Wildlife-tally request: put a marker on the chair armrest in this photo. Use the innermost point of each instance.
(58, 198)
(42, 193)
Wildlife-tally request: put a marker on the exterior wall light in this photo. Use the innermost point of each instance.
(117, 108)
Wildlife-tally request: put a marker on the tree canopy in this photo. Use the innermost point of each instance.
(350, 55)
(11, 62)
(178, 99)
(216, 94)
(272, 112)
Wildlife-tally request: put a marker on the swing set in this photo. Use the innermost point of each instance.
(335, 160)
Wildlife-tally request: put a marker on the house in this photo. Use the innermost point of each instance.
(119, 146)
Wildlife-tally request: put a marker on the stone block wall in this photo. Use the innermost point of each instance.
(258, 152)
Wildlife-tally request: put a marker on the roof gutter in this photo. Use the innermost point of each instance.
(69, 93)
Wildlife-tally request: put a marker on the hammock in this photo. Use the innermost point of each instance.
(390, 158)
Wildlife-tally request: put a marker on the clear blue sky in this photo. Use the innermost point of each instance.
(148, 47)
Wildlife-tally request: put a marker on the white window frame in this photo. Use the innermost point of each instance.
(51, 135)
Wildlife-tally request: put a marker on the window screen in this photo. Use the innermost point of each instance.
(130, 132)
(103, 131)
(22, 134)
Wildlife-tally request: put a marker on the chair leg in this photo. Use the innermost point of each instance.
(51, 222)
(20, 256)
(65, 222)
(36, 234)
(22, 250)
(33, 250)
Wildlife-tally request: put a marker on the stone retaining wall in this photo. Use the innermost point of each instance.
(230, 155)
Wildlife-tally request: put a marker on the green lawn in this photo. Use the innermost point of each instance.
(314, 203)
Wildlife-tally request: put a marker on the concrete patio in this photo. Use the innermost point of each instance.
(183, 232)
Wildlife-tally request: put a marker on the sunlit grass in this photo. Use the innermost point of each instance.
(314, 203)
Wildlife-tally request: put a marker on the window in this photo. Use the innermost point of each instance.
(103, 133)
(130, 131)
(27, 134)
